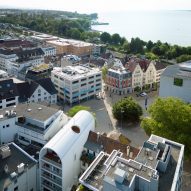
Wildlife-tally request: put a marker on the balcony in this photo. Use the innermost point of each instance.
(53, 159)
(51, 186)
(54, 180)
(49, 169)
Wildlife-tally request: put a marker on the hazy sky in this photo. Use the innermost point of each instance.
(98, 5)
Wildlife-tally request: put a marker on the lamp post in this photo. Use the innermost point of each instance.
(122, 111)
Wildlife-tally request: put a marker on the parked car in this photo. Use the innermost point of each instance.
(143, 94)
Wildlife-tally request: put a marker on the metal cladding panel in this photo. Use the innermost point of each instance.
(63, 141)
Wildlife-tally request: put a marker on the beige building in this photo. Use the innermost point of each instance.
(144, 72)
(67, 46)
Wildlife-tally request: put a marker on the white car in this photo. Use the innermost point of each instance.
(142, 94)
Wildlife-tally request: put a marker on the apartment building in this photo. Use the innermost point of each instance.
(157, 167)
(76, 83)
(49, 51)
(30, 124)
(69, 46)
(175, 81)
(6, 57)
(118, 79)
(8, 93)
(17, 170)
(59, 159)
(98, 142)
(144, 72)
(42, 90)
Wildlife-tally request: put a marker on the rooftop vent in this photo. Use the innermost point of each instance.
(1, 116)
(5, 151)
(20, 168)
(13, 175)
(29, 110)
(40, 108)
(119, 175)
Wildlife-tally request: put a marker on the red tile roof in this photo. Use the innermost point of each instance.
(110, 144)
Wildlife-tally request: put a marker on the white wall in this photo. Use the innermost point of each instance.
(167, 88)
(71, 170)
(26, 181)
(8, 130)
(41, 95)
(4, 102)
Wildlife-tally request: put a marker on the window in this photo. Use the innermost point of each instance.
(75, 82)
(83, 85)
(10, 99)
(39, 94)
(16, 188)
(7, 125)
(10, 104)
(39, 90)
(178, 81)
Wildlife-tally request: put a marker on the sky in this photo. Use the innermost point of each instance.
(89, 6)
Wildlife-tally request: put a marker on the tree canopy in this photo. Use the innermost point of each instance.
(170, 118)
(105, 37)
(127, 109)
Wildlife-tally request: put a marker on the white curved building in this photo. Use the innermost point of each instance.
(60, 157)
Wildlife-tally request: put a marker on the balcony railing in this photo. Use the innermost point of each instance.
(52, 187)
(58, 173)
(54, 180)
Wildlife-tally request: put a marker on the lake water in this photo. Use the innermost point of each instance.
(173, 27)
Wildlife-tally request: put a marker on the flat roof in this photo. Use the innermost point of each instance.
(17, 157)
(31, 110)
(65, 42)
(182, 70)
(144, 166)
(75, 72)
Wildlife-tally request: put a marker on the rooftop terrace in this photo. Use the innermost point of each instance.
(157, 165)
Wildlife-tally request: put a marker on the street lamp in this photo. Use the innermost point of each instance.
(122, 111)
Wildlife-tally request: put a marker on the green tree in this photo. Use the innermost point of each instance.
(126, 47)
(116, 39)
(77, 108)
(75, 33)
(136, 45)
(105, 37)
(127, 109)
(170, 118)
(149, 45)
(104, 72)
(183, 58)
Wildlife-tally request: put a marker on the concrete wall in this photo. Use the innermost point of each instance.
(167, 88)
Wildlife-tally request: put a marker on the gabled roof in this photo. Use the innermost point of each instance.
(26, 89)
(103, 142)
(159, 65)
(48, 85)
(131, 66)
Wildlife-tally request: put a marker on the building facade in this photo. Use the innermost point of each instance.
(118, 79)
(60, 158)
(18, 169)
(8, 93)
(76, 83)
(69, 46)
(30, 124)
(49, 51)
(175, 81)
